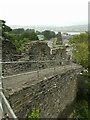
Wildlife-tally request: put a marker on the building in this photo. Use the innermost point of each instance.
(40, 37)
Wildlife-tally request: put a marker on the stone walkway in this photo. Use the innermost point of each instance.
(17, 82)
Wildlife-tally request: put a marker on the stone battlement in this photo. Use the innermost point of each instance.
(36, 56)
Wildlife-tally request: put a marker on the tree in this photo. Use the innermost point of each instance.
(18, 31)
(80, 49)
(30, 35)
(5, 28)
(38, 33)
(48, 34)
(81, 54)
(83, 37)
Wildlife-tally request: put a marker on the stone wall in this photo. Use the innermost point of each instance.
(9, 52)
(36, 56)
(50, 96)
(39, 50)
(13, 68)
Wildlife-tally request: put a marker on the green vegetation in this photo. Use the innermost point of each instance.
(83, 37)
(34, 114)
(48, 34)
(80, 56)
(80, 49)
(20, 36)
(5, 28)
(81, 110)
(54, 41)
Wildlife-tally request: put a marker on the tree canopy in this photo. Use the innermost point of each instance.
(5, 28)
(21, 36)
(80, 49)
(48, 34)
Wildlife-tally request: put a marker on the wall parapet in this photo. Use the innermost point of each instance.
(51, 95)
(18, 67)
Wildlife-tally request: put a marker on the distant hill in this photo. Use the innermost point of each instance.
(75, 28)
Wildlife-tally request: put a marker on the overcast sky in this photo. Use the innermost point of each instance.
(44, 12)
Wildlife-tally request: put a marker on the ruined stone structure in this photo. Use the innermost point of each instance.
(51, 89)
(8, 51)
(53, 97)
(59, 39)
(36, 56)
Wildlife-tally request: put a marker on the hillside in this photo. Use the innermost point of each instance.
(75, 28)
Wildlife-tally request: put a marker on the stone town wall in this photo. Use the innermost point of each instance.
(27, 66)
(37, 56)
(50, 96)
(8, 51)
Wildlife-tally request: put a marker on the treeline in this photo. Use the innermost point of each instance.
(32, 34)
(20, 36)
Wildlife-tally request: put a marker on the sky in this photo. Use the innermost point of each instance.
(44, 12)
